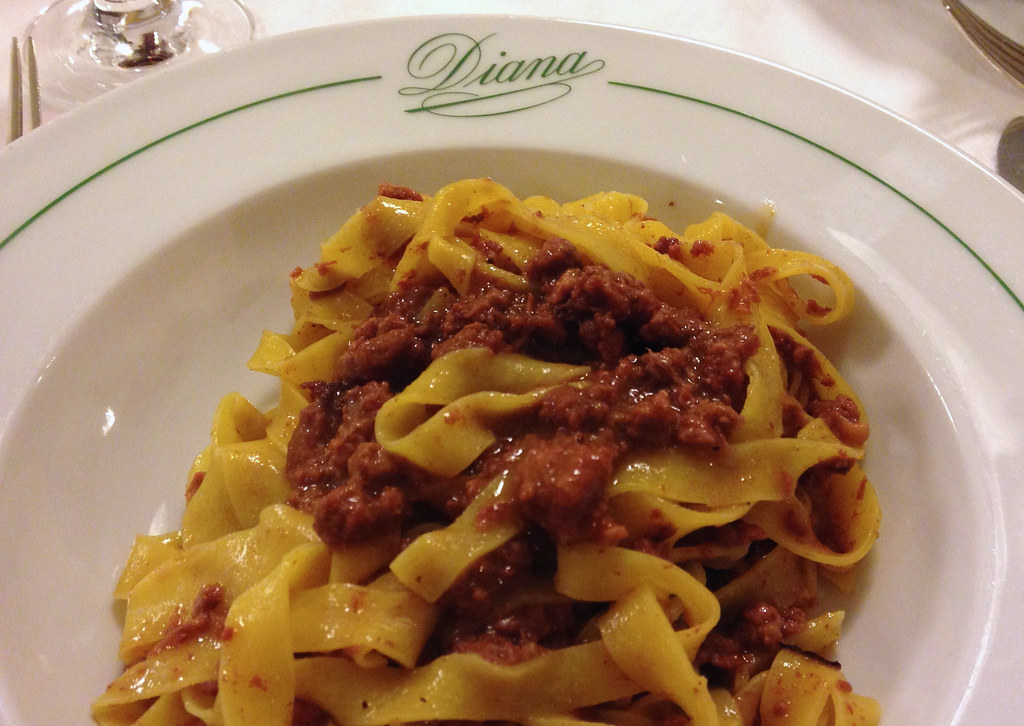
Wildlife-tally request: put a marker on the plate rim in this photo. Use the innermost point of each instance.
(58, 124)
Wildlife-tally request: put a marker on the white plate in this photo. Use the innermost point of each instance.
(147, 239)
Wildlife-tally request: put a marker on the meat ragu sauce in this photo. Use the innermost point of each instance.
(661, 376)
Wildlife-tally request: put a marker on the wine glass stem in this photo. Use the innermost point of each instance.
(119, 13)
(146, 31)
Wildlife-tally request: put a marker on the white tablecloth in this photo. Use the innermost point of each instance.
(905, 55)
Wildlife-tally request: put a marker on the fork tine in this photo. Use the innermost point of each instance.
(1002, 51)
(16, 110)
(34, 115)
(999, 47)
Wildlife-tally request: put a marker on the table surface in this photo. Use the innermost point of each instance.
(904, 55)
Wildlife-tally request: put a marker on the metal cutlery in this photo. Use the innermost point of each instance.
(1004, 52)
(24, 90)
(1007, 55)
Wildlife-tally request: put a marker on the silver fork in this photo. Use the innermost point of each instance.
(1005, 53)
(19, 83)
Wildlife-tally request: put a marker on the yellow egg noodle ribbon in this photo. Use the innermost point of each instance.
(474, 388)
(345, 628)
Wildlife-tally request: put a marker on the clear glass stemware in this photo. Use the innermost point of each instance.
(86, 47)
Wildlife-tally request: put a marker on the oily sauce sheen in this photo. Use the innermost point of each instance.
(661, 376)
(531, 463)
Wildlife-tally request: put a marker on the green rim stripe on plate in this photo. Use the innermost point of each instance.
(244, 107)
(1002, 283)
(995, 275)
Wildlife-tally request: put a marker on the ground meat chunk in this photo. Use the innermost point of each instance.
(554, 257)
(472, 335)
(582, 293)
(717, 360)
(575, 408)
(764, 626)
(329, 430)
(338, 471)
(482, 614)
(393, 191)
(502, 320)
(493, 252)
(670, 246)
(653, 400)
(390, 349)
(671, 327)
(371, 500)
(842, 416)
(734, 650)
(352, 513)
(516, 636)
(561, 483)
(602, 338)
(799, 359)
(205, 618)
(657, 418)
(615, 314)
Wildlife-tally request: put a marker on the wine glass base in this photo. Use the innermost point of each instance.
(78, 59)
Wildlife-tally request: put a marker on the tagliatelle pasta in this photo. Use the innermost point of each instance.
(533, 463)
